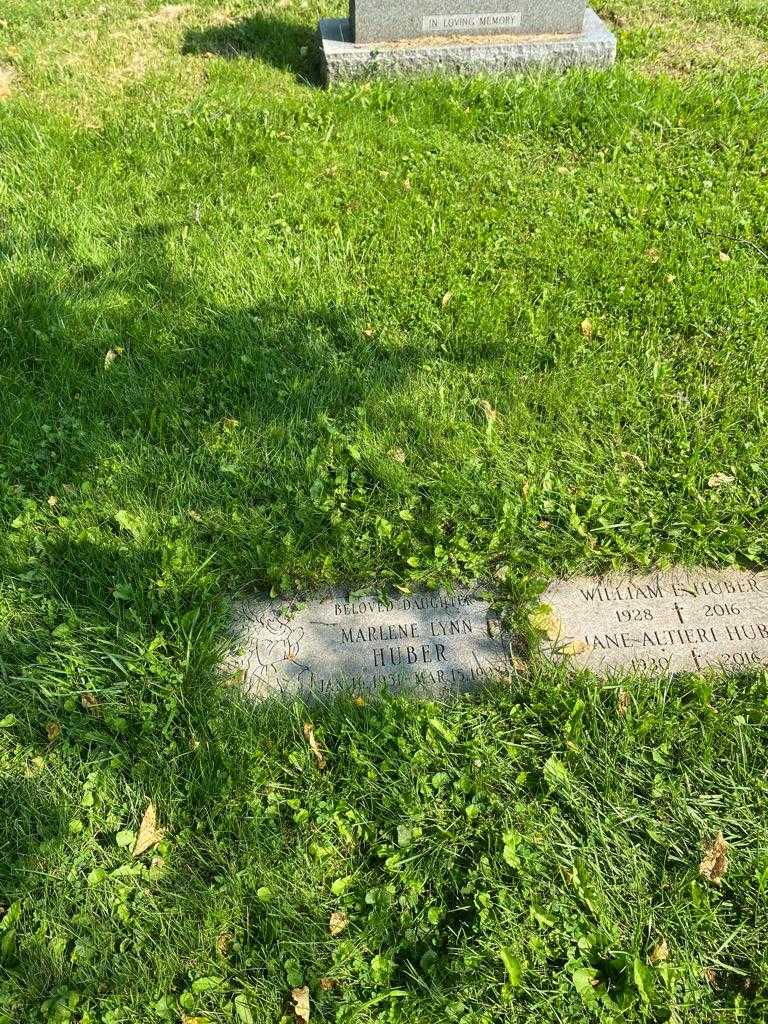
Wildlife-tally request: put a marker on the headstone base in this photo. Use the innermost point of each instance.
(343, 60)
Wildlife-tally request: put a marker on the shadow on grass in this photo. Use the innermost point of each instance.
(282, 368)
(282, 44)
(29, 818)
(124, 660)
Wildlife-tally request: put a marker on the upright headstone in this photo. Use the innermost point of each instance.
(404, 37)
(374, 21)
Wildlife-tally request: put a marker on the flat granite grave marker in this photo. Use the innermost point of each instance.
(432, 643)
(401, 37)
(666, 622)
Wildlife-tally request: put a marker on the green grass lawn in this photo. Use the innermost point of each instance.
(230, 302)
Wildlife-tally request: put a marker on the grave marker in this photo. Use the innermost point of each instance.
(666, 622)
(396, 37)
(375, 21)
(432, 643)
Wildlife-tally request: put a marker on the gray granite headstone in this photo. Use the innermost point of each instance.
(667, 622)
(432, 643)
(545, 39)
(381, 20)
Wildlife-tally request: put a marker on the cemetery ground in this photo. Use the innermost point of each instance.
(257, 336)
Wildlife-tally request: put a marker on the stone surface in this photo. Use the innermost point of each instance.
(374, 21)
(676, 621)
(434, 643)
(343, 60)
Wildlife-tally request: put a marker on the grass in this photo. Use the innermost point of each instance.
(269, 266)
(536, 829)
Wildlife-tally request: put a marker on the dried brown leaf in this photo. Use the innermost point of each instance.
(586, 328)
(570, 650)
(623, 703)
(720, 480)
(300, 1000)
(338, 923)
(53, 731)
(660, 953)
(326, 984)
(544, 619)
(714, 863)
(7, 75)
(488, 411)
(314, 746)
(90, 702)
(149, 833)
(112, 355)
(631, 457)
